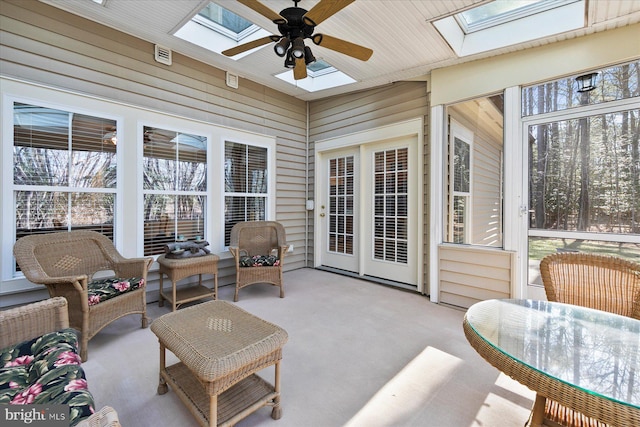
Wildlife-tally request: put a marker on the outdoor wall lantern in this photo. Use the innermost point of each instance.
(586, 82)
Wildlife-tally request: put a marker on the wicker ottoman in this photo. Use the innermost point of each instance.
(220, 347)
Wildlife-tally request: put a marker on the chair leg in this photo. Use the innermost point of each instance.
(235, 296)
(84, 349)
(145, 321)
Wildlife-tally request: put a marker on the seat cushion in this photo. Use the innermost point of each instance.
(46, 370)
(104, 289)
(259, 261)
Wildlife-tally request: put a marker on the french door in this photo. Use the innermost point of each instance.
(367, 214)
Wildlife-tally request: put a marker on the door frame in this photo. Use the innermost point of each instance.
(413, 128)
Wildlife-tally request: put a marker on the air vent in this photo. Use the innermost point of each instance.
(163, 55)
(232, 80)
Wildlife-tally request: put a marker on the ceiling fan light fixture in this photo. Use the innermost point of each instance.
(297, 48)
(289, 62)
(308, 56)
(281, 47)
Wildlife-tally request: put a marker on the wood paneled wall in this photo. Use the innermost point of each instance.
(472, 274)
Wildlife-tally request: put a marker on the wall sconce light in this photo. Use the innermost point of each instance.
(586, 82)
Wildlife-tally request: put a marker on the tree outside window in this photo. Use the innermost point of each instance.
(584, 169)
(245, 181)
(64, 171)
(174, 187)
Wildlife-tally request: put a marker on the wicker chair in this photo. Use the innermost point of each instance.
(66, 262)
(250, 243)
(601, 282)
(33, 320)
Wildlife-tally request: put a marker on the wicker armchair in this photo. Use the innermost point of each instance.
(66, 262)
(595, 281)
(258, 248)
(36, 319)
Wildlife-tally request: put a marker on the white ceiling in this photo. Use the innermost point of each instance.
(406, 45)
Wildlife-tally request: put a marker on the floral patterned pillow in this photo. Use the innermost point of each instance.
(259, 261)
(104, 289)
(46, 370)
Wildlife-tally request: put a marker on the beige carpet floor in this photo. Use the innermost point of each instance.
(359, 354)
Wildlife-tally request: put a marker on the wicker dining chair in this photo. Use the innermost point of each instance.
(258, 248)
(66, 262)
(596, 281)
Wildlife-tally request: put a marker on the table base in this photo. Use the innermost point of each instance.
(185, 295)
(234, 404)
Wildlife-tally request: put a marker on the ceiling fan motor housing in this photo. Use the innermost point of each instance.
(295, 26)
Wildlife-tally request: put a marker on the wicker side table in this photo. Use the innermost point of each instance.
(221, 347)
(178, 269)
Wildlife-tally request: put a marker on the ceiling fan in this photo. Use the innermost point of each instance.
(296, 24)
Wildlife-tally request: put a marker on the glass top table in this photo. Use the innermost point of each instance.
(585, 359)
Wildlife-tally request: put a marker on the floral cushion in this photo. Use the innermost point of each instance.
(46, 370)
(104, 289)
(259, 261)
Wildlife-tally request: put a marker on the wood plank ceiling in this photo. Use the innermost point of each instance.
(406, 45)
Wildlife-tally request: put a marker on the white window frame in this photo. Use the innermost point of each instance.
(458, 131)
(269, 145)
(175, 193)
(130, 119)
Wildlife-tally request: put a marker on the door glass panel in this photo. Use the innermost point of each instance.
(391, 205)
(341, 194)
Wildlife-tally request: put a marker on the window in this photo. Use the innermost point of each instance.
(174, 187)
(225, 22)
(320, 75)
(64, 171)
(584, 166)
(475, 172)
(218, 29)
(391, 216)
(612, 84)
(341, 200)
(245, 184)
(501, 23)
(461, 191)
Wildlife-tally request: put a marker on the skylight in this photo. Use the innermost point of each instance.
(216, 29)
(224, 21)
(506, 22)
(320, 75)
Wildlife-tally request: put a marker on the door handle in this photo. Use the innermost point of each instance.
(322, 215)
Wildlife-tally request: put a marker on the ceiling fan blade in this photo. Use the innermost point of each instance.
(324, 9)
(300, 70)
(264, 11)
(250, 45)
(356, 51)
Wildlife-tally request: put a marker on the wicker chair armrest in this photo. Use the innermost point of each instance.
(282, 251)
(32, 320)
(81, 279)
(235, 251)
(133, 267)
(105, 417)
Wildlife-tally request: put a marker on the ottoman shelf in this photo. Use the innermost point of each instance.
(234, 404)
